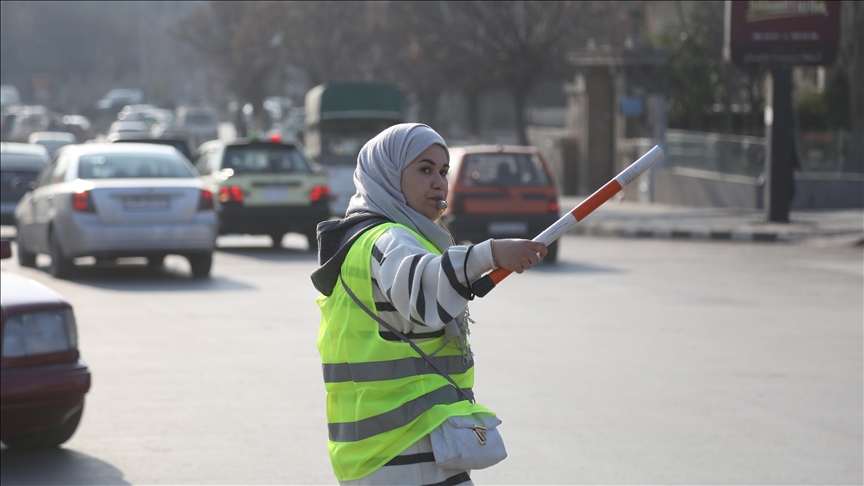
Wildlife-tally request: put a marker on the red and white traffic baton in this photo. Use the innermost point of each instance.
(488, 282)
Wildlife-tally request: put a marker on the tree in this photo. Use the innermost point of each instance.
(329, 41)
(700, 83)
(472, 46)
(517, 44)
(243, 41)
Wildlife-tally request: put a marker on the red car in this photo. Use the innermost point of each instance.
(42, 378)
(500, 191)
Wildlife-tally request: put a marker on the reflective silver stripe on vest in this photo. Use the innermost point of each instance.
(401, 416)
(393, 370)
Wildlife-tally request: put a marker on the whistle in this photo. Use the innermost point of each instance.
(442, 205)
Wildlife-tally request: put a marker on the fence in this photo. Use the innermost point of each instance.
(822, 152)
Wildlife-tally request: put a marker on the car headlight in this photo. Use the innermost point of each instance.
(40, 333)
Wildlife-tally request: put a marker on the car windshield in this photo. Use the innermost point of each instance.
(265, 158)
(502, 169)
(22, 160)
(52, 145)
(198, 119)
(132, 165)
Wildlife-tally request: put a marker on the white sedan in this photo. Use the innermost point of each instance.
(117, 200)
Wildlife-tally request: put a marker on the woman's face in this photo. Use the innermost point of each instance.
(424, 181)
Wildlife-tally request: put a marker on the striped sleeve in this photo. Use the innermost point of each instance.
(427, 290)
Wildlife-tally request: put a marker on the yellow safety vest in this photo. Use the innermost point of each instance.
(382, 397)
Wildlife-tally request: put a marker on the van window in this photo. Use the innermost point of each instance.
(501, 169)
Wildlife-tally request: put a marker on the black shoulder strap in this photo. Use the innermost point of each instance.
(405, 338)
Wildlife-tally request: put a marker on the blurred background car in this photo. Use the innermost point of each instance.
(179, 142)
(499, 191)
(43, 381)
(77, 125)
(198, 123)
(117, 98)
(29, 119)
(52, 141)
(117, 200)
(9, 95)
(139, 129)
(20, 164)
(291, 127)
(264, 188)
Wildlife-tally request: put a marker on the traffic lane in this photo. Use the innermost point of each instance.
(642, 377)
(203, 385)
(676, 362)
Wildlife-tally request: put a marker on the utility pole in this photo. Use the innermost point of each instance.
(779, 35)
(143, 68)
(779, 145)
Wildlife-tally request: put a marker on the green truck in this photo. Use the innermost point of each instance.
(340, 119)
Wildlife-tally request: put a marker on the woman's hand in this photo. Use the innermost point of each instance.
(517, 255)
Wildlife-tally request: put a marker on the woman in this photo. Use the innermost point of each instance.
(382, 399)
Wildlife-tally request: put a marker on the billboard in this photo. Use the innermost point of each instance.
(782, 33)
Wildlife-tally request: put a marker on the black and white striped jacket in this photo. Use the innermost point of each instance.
(418, 292)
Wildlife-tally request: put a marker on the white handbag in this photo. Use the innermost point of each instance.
(468, 442)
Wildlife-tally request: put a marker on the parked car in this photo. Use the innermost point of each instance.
(117, 200)
(52, 141)
(43, 381)
(20, 164)
(500, 192)
(264, 188)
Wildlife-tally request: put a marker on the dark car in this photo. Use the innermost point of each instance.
(264, 187)
(178, 142)
(20, 164)
(500, 192)
(42, 378)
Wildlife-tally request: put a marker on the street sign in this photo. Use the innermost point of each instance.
(782, 33)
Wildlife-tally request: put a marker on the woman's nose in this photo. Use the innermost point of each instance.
(439, 181)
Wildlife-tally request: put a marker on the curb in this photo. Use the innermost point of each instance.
(619, 231)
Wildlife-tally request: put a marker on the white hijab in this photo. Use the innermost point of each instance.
(378, 178)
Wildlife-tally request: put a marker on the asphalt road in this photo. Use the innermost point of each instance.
(632, 361)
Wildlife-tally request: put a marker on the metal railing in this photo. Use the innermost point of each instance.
(822, 152)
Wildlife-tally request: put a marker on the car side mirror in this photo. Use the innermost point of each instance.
(5, 249)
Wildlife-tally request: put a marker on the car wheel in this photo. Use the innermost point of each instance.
(551, 253)
(156, 261)
(48, 438)
(201, 264)
(25, 258)
(277, 239)
(312, 240)
(61, 266)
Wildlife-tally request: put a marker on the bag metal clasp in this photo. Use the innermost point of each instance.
(480, 432)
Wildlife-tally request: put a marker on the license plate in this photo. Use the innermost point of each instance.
(146, 203)
(508, 228)
(275, 194)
